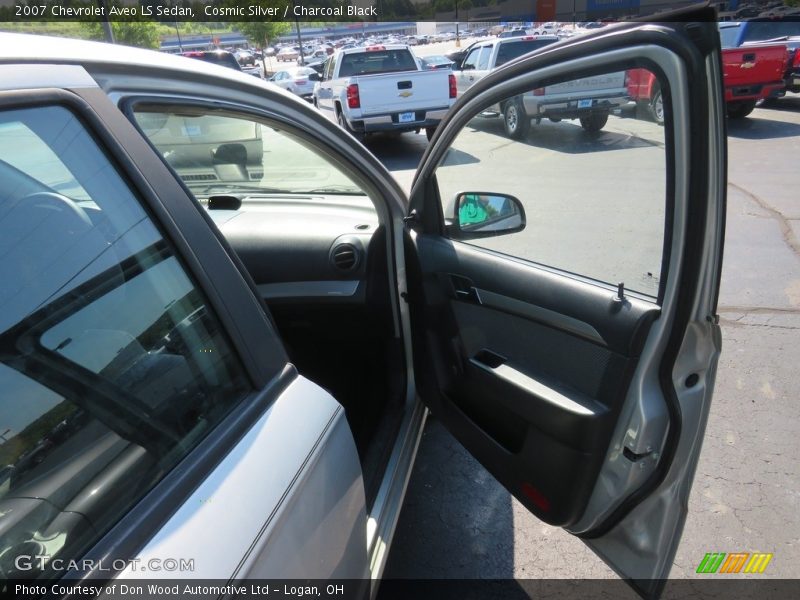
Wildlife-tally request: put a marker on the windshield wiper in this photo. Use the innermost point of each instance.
(235, 188)
(345, 190)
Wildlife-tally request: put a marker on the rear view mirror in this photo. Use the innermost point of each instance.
(484, 214)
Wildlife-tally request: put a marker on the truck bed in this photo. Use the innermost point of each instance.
(753, 72)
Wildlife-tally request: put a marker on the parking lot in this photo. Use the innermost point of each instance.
(457, 522)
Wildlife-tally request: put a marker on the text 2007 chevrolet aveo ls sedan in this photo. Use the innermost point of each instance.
(221, 320)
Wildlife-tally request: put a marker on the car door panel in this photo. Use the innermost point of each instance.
(517, 340)
(575, 394)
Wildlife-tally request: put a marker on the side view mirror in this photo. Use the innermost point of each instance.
(314, 77)
(467, 67)
(485, 214)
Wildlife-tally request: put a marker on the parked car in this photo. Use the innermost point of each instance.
(436, 61)
(298, 80)
(287, 54)
(223, 58)
(588, 99)
(457, 56)
(245, 57)
(792, 76)
(516, 32)
(382, 88)
(759, 30)
(185, 317)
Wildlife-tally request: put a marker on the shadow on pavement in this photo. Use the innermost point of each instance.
(398, 152)
(757, 128)
(457, 513)
(569, 137)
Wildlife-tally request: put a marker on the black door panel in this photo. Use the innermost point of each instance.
(539, 294)
(553, 356)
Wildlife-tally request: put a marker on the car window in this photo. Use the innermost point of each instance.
(377, 61)
(728, 36)
(113, 366)
(215, 153)
(594, 192)
(510, 50)
(483, 58)
(471, 61)
(767, 30)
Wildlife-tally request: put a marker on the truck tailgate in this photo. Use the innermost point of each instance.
(600, 83)
(403, 92)
(752, 65)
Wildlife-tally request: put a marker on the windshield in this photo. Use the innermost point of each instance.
(218, 154)
(511, 50)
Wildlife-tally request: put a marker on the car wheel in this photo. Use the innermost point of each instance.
(359, 135)
(656, 107)
(516, 122)
(739, 110)
(429, 131)
(594, 123)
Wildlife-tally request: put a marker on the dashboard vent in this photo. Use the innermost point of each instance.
(345, 257)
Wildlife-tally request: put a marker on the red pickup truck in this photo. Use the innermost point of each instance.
(750, 74)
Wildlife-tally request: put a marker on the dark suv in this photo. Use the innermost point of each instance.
(225, 59)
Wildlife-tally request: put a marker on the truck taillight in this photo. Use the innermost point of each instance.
(538, 92)
(796, 61)
(353, 99)
(453, 89)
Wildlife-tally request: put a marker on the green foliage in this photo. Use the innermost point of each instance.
(261, 32)
(144, 34)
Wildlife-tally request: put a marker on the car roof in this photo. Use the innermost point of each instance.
(37, 49)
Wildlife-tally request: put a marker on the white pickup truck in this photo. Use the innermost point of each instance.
(589, 99)
(383, 88)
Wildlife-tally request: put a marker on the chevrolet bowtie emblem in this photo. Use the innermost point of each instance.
(405, 94)
(748, 65)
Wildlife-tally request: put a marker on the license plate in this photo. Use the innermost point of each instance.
(406, 117)
(584, 103)
(796, 81)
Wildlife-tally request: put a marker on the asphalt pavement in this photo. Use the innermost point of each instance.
(457, 522)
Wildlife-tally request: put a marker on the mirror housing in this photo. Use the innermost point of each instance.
(485, 214)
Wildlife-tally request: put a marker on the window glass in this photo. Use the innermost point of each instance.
(112, 364)
(377, 61)
(216, 153)
(592, 180)
(483, 58)
(472, 59)
(516, 48)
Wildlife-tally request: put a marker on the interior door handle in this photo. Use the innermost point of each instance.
(464, 290)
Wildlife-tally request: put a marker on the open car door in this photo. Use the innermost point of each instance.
(563, 261)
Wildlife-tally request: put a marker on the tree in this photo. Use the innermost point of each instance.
(261, 32)
(143, 34)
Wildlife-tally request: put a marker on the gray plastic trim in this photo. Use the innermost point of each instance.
(308, 289)
(542, 315)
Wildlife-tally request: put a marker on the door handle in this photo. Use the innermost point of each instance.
(464, 290)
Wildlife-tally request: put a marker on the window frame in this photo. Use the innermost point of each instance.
(427, 196)
(250, 333)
